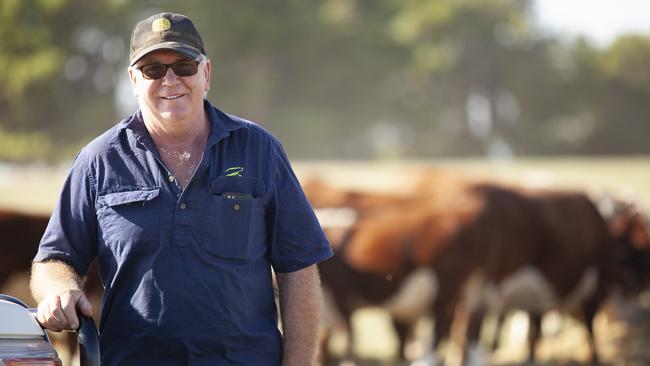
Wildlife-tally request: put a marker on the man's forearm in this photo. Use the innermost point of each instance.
(57, 289)
(300, 306)
(51, 277)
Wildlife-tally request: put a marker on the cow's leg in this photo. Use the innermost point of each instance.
(350, 357)
(498, 326)
(534, 333)
(443, 312)
(592, 341)
(343, 323)
(323, 357)
(473, 353)
(403, 332)
(590, 310)
(443, 318)
(326, 357)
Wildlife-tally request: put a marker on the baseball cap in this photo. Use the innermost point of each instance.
(167, 31)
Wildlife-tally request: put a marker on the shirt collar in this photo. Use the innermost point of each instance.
(220, 127)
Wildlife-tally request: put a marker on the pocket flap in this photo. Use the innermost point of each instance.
(252, 185)
(122, 198)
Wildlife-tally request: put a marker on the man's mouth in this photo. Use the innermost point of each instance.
(172, 97)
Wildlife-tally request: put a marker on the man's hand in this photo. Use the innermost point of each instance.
(58, 311)
(57, 288)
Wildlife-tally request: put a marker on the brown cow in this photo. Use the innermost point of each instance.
(455, 231)
(351, 288)
(576, 265)
(572, 268)
(364, 273)
(503, 234)
(630, 227)
(21, 234)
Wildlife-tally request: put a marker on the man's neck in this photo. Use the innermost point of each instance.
(180, 134)
(181, 146)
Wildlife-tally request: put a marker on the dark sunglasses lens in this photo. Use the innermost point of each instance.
(181, 68)
(185, 68)
(154, 71)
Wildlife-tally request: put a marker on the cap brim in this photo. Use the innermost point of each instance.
(181, 48)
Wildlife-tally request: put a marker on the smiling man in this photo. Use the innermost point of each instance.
(188, 211)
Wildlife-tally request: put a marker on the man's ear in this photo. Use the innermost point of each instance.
(208, 72)
(133, 79)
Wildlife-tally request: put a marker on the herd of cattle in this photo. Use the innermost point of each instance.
(447, 246)
(485, 248)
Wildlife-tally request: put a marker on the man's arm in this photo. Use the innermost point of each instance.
(57, 289)
(300, 307)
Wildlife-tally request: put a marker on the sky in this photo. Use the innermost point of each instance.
(599, 20)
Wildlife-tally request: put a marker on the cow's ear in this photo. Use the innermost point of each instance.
(617, 226)
(640, 235)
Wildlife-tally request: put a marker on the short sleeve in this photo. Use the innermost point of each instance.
(297, 238)
(71, 233)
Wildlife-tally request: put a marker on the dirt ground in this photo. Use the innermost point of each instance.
(622, 337)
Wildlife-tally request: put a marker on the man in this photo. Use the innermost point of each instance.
(187, 210)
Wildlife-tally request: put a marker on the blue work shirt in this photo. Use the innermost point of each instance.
(187, 274)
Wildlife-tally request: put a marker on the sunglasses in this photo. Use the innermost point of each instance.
(158, 70)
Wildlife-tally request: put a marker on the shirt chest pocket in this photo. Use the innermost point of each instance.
(234, 225)
(128, 219)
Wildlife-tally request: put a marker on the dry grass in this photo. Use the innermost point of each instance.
(628, 176)
(620, 341)
(35, 187)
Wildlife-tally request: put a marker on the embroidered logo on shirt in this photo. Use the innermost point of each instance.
(234, 171)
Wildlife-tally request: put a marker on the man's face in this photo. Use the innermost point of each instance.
(172, 98)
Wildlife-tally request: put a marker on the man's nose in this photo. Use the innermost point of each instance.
(170, 77)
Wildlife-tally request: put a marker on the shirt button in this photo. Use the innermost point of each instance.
(171, 178)
(183, 206)
(236, 207)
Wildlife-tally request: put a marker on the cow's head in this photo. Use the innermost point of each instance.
(629, 227)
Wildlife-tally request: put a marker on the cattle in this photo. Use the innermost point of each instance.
(503, 234)
(587, 258)
(628, 223)
(361, 273)
(21, 232)
(348, 288)
(393, 289)
(499, 235)
(444, 228)
(571, 269)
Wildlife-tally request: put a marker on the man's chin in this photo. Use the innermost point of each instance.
(173, 116)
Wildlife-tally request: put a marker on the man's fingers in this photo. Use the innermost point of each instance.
(45, 317)
(57, 312)
(41, 316)
(84, 305)
(68, 308)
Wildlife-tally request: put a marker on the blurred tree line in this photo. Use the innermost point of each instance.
(335, 78)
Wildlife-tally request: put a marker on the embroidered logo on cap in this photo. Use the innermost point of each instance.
(160, 24)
